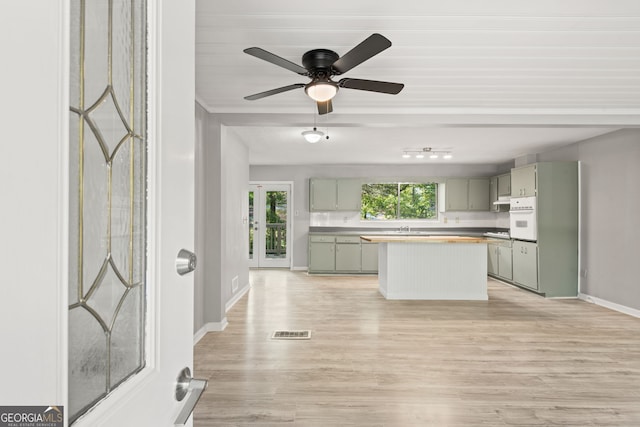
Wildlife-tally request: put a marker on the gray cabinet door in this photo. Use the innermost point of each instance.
(479, 194)
(322, 195)
(348, 257)
(493, 194)
(525, 264)
(349, 194)
(369, 257)
(456, 194)
(322, 257)
(505, 266)
(523, 181)
(492, 258)
(504, 185)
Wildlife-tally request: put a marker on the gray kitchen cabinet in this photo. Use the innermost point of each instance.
(499, 259)
(322, 257)
(349, 193)
(348, 254)
(504, 184)
(456, 194)
(505, 263)
(369, 258)
(525, 264)
(493, 194)
(523, 181)
(479, 194)
(322, 194)
(492, 258)
(467, 194)
(334, 194)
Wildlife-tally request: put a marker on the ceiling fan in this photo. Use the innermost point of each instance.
(322, 64)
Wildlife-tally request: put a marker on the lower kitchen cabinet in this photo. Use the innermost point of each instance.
(348, 254)
(322, 256)
(369, 257)
(525, 264)
(505, 265)
(492, 258)
(499, 261)
(341, 254)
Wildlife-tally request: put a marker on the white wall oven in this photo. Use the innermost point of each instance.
(522, 218)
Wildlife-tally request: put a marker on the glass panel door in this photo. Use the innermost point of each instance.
(253, 259)
(108, 184)
(269, 225)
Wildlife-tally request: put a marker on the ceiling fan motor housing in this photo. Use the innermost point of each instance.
(319, 61)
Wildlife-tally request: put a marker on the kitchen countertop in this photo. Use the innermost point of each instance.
(441, 231)
(425, 239)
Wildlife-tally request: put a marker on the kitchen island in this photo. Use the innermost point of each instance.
(415, 267)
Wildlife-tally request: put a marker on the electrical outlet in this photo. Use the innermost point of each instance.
(457, 220)
(446, 219)
(583, 272)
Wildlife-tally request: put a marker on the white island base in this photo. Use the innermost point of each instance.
(423, 270)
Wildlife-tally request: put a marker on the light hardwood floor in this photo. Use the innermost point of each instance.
(517, 359)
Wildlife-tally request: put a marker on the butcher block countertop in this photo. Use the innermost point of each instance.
(425, 239)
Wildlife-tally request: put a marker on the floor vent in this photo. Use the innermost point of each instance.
(291, 335)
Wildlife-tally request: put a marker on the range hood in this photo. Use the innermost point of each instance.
(503, 200)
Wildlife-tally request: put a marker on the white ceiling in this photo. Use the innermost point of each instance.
(490, 80)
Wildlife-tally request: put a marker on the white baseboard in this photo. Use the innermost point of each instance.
(210, 327)
(234, 299)
(299, 269)
(610, 305)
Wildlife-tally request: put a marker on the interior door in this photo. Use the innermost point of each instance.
(116, 161)
(270, 225)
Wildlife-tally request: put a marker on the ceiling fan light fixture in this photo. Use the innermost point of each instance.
(312, 136)
(447, 156)
(406, 155)
(321, 91)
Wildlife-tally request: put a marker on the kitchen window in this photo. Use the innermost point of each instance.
(399, 200)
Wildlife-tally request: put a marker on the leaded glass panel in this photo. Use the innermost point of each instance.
(108, 198)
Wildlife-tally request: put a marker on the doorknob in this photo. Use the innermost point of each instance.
(186, 383)
(186, 262)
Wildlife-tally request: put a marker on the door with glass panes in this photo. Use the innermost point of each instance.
(269, 225)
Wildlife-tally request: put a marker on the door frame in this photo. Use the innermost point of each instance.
(255, 263)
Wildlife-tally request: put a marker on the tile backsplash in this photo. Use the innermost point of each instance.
(445, 219)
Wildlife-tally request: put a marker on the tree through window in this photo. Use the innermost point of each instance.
(392, 201)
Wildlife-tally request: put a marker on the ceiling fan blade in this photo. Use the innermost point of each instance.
(371, 86)
(325, 107)
(371, 46)
(273, 92)
(275, 59)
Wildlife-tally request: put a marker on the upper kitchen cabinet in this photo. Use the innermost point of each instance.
(499, 189)
(456, 194)
(479, 194)
(467, 194)
(349, 194)
(322, 194)
(334, 194)
(523, 181)
(504, 185)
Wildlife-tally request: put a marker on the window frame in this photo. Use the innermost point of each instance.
(398, 184)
